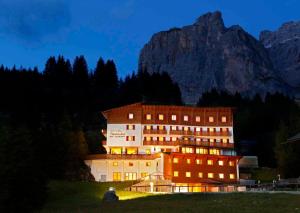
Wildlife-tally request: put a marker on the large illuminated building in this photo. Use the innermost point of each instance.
(186, 145)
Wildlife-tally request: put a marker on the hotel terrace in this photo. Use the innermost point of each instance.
(185, 145)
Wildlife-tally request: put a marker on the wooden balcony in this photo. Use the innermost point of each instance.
(207, 133)
(154, 131)
(189, 132)
(160, 143)
(206, 144)
(176, 132)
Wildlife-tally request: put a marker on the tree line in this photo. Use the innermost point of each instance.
(51, 119)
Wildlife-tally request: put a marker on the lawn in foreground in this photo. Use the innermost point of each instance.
(86, 197)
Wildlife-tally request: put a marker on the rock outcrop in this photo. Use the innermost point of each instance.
(283, 46)
(209, 55)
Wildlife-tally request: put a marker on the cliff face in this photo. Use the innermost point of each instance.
(283, 46)
(208, 55)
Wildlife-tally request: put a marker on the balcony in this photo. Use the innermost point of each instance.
(176, 132)
(154, 132)
(160, 143)
(206, 133)
(207, 144)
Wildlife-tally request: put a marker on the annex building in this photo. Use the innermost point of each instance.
(185, 145)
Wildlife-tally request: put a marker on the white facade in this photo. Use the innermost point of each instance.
(103, 169)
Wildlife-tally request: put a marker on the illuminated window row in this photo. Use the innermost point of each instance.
(203, 151)
(115, 163)
(208, 162)
(128, 175)
(200, 175)
(174, 117)
(182, 128)
(186, 139)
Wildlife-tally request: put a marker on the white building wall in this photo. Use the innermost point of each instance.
(105, 167)
(116, 135)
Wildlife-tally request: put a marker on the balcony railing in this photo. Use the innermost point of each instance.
(160, 143)
(207, 133)
(154, 131)
(176, 132)
(208, 144)
(188, 142)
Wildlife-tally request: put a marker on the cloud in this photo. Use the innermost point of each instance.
(33, 20)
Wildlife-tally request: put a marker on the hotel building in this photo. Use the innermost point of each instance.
(186, 145)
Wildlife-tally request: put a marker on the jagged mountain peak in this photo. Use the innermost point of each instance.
(208, 55)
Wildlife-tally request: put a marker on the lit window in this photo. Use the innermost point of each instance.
(130, 116)
(116, 176)
(210, 119)
(161, 127)
(116, 150)
(210, 175)
(148, 163)
(211, 129)
(186, 128)
(188, 174)
(187, 150)
(161, 139)
(161, 117)
(231, 163)
(211, 140)
(214, 151)
(231, 176)
(210, 162)
(198, 119)
(202, 151)
(185, 118)
(224, 119)
(175, 160)
(148, 138)
(130, 164)
(115, 163)
(221, 163)
(221, 176)
(130, 127)
(198, 161)
(173, 127)
(130, 138)
(198, 129)
(148, 127)
(148, 151)
(130, 176)
(173, 138)
(188, 161)
(144, 174)
(131, 151)
(175, 173)
(173, 117)
(200, 175)
(148, 117)
(198, 139)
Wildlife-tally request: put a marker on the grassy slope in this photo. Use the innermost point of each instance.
(86, 197)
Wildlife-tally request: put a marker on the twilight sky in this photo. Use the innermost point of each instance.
(33, 30)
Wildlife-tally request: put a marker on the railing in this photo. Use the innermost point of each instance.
(154, 131)
(208, 144)
(176, 132)
(207, 133)
(188, 142)
(160, 143)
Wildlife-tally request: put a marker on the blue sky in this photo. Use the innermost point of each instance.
(33, 30)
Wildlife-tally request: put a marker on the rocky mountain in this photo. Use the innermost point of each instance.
(283, 46)
(208, 55)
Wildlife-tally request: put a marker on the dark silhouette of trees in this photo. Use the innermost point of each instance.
(269, 122)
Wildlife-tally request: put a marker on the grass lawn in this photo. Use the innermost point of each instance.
(86, 197)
